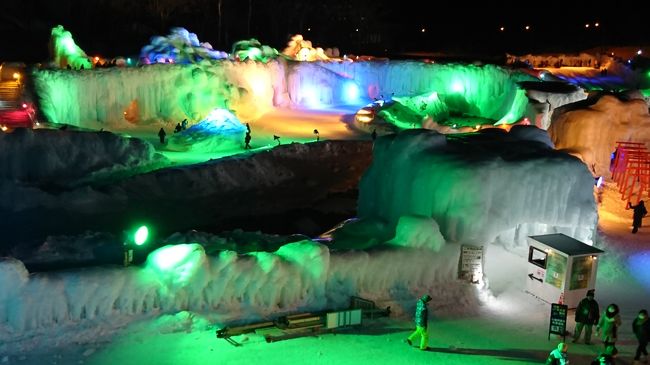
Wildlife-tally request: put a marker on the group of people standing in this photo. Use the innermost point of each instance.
(587, 315)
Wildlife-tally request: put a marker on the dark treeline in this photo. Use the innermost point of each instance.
(121, 27)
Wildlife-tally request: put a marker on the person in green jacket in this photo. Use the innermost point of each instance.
(421, 323)
(608, 325)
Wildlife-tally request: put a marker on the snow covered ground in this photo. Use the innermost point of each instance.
(110, 314)
(167, 313)
(509, 326)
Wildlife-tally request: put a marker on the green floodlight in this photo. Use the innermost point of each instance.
(141, 235)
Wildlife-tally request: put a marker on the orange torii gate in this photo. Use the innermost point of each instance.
(631, 169)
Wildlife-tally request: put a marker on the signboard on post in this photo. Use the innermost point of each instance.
(557, 324)
(470, 267)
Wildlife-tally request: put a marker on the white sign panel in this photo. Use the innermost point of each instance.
(470, 267)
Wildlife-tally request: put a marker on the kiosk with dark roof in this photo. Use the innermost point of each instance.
(560, 268)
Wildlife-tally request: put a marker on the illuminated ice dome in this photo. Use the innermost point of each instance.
(180, 46)
(220, 130)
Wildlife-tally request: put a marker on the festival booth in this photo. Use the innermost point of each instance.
(561, 269)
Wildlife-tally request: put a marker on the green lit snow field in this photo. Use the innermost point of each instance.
(511, 328)
(291, 125)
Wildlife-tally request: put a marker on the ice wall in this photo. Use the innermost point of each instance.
(480, 188)
(591, 132)
(175, 92)
(486, 91)
(298, 276)
(162, 92)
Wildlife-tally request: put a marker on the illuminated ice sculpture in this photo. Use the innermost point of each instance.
(65, 51)
(180, 46)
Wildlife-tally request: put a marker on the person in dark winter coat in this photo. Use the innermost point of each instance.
(247, 141)
(587, 315)
(637, 217)
(607, 357)
(641, 328)
(161, 135)
(608, 325)
(558, 356)
(421, 323)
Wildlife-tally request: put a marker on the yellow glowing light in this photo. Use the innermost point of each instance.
(587, 25)
(597, 25)
(527, 27)
(423, 30)
(502, 29)
(478, 126)
(96, 59)
(16, 75)
(364, 116)
(4, 128)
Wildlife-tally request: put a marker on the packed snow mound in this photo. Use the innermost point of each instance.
(531, 133)
(180, 46)
(219, 131)
(299, 276)
(591, 133)
(487, 187)
(60, 156)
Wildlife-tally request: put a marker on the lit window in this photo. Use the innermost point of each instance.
(537, 257)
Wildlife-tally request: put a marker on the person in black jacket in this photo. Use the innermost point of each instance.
(421, 322)
(637, 217)
(587, 315)
(641, 328)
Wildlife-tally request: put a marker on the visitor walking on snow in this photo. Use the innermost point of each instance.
(558, 356)
(161, 135)
(247, 140)
(639, 212)
(421, 323)
(641, 328)
(608, 325)
(587, 315)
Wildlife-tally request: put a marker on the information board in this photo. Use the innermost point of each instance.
(557, 324)
(470, 267)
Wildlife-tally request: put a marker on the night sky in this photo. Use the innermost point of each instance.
(121, 27)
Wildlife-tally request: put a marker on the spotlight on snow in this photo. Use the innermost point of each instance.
(351, 91)
(310, 96)
(141, 235)
(170, 256)
(457, 86)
